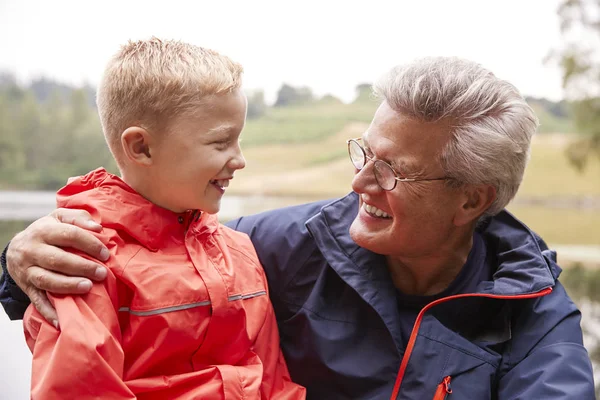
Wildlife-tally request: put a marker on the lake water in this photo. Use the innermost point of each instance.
(30, 205)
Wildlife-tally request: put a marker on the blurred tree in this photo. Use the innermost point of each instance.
(330, 99)
(288, 95)
(45, 89)
(363, 92)
(48, 132)
(11, 156)
(7, 79)
(256, 103)
(29, 130)
(579, 59)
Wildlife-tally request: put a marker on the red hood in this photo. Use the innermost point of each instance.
(115, 205)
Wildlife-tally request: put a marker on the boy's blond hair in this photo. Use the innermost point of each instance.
(149, 83)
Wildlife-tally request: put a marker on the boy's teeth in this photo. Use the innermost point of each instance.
(221, 182)
(375, 211)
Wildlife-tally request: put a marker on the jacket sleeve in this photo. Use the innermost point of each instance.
(276, 384)
(13, 299)
(84, 359)
(557, 366)
(283, 245)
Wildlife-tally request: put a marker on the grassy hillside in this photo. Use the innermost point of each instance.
(312, 122)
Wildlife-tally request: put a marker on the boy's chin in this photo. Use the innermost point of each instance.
(212, 209)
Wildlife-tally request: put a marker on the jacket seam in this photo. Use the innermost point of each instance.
(243, 254)
(535, 237)
(303, 307)
(130, 259)
(511, 364)
(511, 367)
(558, 344)
(283, 289)
(460, 350)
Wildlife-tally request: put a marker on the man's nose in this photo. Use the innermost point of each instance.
(364, 180)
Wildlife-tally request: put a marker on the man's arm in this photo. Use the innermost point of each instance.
(558, 366)
(13, 299)
(35, 261)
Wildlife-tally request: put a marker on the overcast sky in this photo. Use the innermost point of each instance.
(330, 46)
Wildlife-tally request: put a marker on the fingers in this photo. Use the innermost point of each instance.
(65, 235)
(80, 218)
(53, 282)
(58, 260)
(41, 245)
(42, 304)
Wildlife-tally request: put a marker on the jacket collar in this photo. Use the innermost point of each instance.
(524, 262)
(361, 269)
(115, 205)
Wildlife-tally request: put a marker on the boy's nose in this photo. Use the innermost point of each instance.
(237, 162)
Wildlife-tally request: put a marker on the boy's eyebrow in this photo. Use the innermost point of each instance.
(221, 129)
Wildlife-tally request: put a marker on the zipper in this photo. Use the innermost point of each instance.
(443, 389)
(413, 336)
(188, 218)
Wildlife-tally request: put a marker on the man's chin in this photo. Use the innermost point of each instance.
(357, 233)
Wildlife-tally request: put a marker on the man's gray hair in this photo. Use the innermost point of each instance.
(492, 123)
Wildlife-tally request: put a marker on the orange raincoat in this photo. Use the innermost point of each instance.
(183, 314)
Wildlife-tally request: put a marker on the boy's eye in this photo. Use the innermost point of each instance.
(222, 144)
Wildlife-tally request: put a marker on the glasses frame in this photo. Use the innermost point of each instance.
(397, 179)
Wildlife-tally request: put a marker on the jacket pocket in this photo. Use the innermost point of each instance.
(443, 390)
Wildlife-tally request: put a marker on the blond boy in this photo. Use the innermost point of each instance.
(184, 312)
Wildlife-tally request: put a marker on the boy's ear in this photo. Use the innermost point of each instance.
(136, 145)
(477, 199)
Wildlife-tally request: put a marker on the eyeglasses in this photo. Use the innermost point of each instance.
(385, 175)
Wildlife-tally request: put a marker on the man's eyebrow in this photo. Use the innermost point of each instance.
(401, 167)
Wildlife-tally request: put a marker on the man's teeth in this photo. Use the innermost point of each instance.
(375, 211)
(223, 183)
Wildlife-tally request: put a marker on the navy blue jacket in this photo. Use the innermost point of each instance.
(517, 337)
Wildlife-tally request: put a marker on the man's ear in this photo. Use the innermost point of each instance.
(477, 199)
(136, 145)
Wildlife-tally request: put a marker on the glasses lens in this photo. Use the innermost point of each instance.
(384, 174)
(357, 155)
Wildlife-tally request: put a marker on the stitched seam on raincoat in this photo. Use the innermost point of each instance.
(247, 296)
(164, 310)
(125, 265)
(248, 257)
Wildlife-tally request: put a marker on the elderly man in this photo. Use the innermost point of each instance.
(415, 286)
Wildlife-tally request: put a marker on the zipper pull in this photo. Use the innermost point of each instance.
(443, 389)
(446, 383)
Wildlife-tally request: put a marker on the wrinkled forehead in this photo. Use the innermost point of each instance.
(405, 141)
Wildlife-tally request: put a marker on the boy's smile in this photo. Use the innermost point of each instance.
(221, 184)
